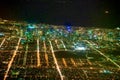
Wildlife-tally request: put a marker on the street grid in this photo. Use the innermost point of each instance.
(57, 59)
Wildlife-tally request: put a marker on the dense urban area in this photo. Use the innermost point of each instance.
(58, 52)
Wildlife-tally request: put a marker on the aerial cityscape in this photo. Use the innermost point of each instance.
(58, 52)
(59, 40)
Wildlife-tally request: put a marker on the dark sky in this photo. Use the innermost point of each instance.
(76, 12)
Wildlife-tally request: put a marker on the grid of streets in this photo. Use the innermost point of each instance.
(54, 59)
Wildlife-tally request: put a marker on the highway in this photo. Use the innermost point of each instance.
(12, 59)
(55, 61)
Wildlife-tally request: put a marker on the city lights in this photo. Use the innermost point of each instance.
(53, 52)
(31, 26)
(80, 48)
